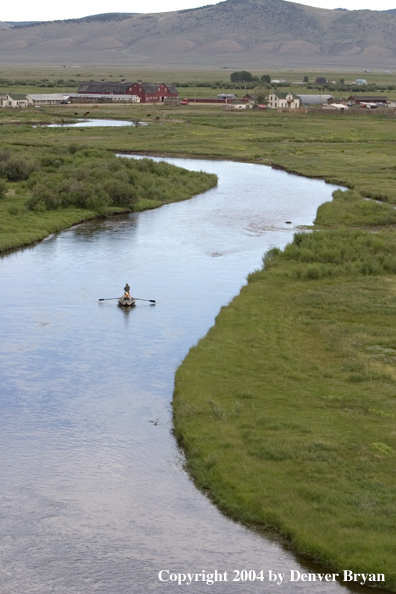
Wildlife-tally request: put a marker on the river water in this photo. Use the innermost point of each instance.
(94, 498)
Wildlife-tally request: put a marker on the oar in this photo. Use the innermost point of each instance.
(136, 298)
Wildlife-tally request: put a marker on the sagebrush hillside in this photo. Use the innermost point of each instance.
(234, 33)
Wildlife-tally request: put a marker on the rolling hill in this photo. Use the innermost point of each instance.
(233, 33)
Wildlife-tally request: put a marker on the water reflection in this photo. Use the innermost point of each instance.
(94, 493)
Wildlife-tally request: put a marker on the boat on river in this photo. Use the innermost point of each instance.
(126, 301)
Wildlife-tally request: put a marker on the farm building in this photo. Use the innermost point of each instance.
(259, 106)
(314, 99)
(250, 98)
(235, 105)
(98, 98)
(321, 80)
(284, 100)
(147, 92)
(46, 99)
(337, 101)
(13, 100)
(105, 88)
(335, 107)
(353, 99)
(154, 92)
(229, 96)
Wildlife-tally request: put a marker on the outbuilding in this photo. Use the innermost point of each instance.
(235, 105)
(314, 99)
(356, 99)
(99, 98)
(46, 99)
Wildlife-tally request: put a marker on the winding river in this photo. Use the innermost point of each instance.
(93, 494)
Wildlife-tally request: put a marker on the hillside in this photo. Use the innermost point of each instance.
(234, 33)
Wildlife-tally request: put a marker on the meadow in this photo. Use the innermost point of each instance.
(286, 409)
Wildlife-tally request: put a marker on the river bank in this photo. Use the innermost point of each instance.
(286, 408)
(47, 191)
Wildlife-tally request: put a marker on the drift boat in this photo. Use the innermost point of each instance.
(127, 301)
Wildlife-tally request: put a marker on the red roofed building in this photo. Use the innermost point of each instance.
(154, 92)
(147, 92)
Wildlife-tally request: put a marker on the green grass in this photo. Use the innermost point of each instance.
(286, 409)
(354, 150)
(20, 227)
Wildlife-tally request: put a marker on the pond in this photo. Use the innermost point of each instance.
(94, 494)
(91, 123)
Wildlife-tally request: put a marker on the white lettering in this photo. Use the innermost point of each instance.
(160, 575)
(275, 577)
(294, 575)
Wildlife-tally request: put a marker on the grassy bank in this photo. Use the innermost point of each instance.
(353, 149)
(48, 190)
(286, 409)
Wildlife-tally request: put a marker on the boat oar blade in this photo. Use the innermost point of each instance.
(109, 299)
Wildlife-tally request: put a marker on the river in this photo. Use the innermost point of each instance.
(93, 493)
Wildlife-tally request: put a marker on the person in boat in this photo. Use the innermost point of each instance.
(127, 288)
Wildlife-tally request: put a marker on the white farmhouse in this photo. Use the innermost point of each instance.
(282, 99)
(13, 100)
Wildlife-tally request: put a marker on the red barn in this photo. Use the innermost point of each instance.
(147, 92)
(154, 92)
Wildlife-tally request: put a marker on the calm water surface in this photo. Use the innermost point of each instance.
(94, 498)
(94, 123)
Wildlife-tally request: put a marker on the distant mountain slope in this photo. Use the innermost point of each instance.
(234, 33)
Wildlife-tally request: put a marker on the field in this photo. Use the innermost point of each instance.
(217, 80)
(286, 409)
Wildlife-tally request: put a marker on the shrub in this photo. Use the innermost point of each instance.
(16, 168)
(3, 188)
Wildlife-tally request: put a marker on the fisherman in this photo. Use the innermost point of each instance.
(127, 288)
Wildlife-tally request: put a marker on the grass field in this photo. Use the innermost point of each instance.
(355, 150)
(49, 79)
(286, 409)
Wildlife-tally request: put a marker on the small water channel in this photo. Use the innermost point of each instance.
(94, 495)
(90, 123)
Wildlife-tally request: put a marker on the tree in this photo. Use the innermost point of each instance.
(306, 79)
(241, 76)
(265, 78)
(261, 96)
